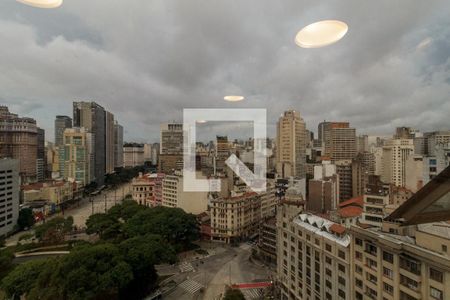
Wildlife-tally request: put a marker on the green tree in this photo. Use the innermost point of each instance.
(22, 279)
(26, 218)
(53, 231)
(234, 294)
(105, 225)
(6, 262)
(126, 210)
(142, 253)
(96, 272)
(173, 224)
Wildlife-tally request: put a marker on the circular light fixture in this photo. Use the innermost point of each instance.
(233, 98)
(321, 34)
(42, 3)
(201, 121)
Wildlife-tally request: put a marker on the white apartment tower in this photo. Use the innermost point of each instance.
(395, 154)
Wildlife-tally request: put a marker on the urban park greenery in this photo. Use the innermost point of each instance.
(132, 240)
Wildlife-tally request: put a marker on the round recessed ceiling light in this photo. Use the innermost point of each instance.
(321, 34)
(233, 98)
(42, 3)
(201, 121)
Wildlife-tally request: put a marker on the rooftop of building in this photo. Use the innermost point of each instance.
(353, 201)
(324, 227)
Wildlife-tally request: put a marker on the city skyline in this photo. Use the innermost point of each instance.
(395, 65)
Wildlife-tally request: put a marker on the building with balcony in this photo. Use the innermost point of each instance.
(401, 267)
(147, 189)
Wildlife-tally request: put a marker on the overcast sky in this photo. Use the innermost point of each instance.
(146, 60)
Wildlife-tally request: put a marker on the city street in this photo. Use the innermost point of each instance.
(207, 278)
(81, 211)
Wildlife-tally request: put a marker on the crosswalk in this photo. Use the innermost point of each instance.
(191, 286)
(186, 267)
(252, 293)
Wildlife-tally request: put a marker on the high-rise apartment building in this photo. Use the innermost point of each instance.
(323, 189)
(109, 142)
(314, 260)
(339, 140)
(18, 140)
(118, 145)
(171, 147)
(436, 138)
(41, 161)
(171, 138)
(61, 124)
(9, 194)
(344, 171)
(76, 156)
(291, 145)
(395, 155)
(91, 116)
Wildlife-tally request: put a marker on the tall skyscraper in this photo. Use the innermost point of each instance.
(109, 142)
(76, 157)
(340, 140)
(91, 116)
(171, 138)
(395, 155)
(18, 140)
(61, 124)
(9, 197)
(291, 145)
(321, 131)
(118, 145)
(41, 161)
(171, 147)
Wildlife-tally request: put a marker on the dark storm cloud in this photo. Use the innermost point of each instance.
(147, 60)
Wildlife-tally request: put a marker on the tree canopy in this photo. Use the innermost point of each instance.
(133, 238)
(26, 218)
(234, 294)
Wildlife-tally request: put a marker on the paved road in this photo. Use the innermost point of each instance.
(85, 209)
(230, 265)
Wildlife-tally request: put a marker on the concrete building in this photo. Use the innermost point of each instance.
(41, 160)
(18, 140)
(339, 141)
(147, 152)
(291, 145)
(344, 171)
(376, 199)
(76, 156)
(323, 188)
(436, 138)
(118, 145)
(397, 267)
(239, 217)
(362, 143)
(61, 124)
(91, 116)
(173, 195)
(133, 155)
(109, 143)
(155, 154)
(171, 139)
(395, 155)
(363, 166)
(314, 260)
(51, 192)
(9, 194)
(147, 189)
